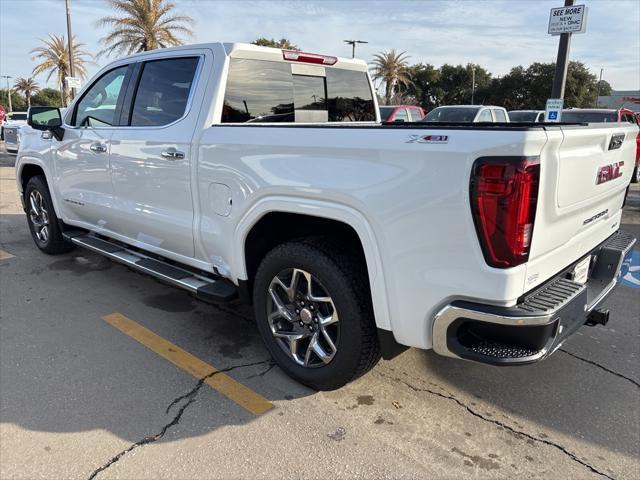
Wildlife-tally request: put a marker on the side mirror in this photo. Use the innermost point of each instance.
(46, 119)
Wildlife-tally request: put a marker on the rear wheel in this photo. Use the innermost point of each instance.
(635, 177)
(43, 223)
(314, 313)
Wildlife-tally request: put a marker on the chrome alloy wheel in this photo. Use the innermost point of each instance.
(39, 216)
(303, 318)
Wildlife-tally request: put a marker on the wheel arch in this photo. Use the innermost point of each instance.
(30, 167)
(347, 221)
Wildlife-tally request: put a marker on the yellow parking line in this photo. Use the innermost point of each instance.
(243, 396)
(5, 255)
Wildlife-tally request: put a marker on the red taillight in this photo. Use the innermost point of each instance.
(504, 196)
(295, 56)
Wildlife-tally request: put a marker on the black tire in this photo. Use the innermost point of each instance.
(635, 177)
(54, 243)
(345, 280)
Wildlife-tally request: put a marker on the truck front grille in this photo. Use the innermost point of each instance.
(10, 135)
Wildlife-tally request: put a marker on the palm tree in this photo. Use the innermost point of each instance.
(54, 59)
(392, 69)
(144, 25)
(28, 86)
(270, 42)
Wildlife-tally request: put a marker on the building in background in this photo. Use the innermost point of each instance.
(621, 99)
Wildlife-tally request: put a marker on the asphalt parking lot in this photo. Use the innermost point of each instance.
(86, 392)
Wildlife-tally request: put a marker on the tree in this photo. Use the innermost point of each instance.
(270, 42)
(54, 59)
(455, 82)
(18, 103)
(391, 68)
(425, 85)
(531, 87)
(47, 97)
(144, 25)
(28, 86)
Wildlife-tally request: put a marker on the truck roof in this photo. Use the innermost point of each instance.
(248, 50)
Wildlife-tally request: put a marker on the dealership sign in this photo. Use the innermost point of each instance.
(571, 19)
(73, 82)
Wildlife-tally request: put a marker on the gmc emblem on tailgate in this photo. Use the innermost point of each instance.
(609, 172)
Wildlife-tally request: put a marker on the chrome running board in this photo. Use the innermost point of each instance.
(203, 286)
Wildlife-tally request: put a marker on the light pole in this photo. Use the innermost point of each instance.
(353, 46)
(598, 89)
(7, 77)
(70, 47)
(473, 83)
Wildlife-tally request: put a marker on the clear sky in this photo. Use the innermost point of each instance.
(496, 34)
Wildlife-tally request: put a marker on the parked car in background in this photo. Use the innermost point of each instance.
(467, 114)
(401, 113)
(605, 115)
(597, 115)
(526, 116)
(11, 128)
(16, 119)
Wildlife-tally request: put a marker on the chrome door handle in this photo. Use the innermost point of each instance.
(98, 147)
(172, 154)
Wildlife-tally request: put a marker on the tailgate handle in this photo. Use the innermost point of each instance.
(616, 141)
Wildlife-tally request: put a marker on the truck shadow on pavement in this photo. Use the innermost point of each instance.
(64, 369)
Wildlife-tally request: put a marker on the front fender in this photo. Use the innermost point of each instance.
(322, 209)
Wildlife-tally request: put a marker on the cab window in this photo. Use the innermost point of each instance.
(163, 91)
(485, 116)
(500, 116)
(99, 104)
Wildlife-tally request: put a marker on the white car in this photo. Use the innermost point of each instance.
(232, 170)
(11, 127)
(467, 114)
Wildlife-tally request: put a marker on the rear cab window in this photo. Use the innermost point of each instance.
(265, 91)
(163, 91)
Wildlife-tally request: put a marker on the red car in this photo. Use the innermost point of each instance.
(595, 115)
(401, 113)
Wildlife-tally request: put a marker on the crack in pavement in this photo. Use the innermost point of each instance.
(596, 364)
(449, 396)
(190, 397)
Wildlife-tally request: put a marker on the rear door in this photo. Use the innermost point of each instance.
(151, 156)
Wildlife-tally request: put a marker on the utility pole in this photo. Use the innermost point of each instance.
(473, 83)
(353, 46)
(562, 61)
(598, 89)
(70, 46)
(7, 77)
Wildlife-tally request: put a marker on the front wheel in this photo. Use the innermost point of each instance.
(43, 223)
(314, 313)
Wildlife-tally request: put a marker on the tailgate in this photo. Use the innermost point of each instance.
(585, 171)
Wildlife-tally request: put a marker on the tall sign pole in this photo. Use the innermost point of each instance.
(563, 21)
(562, 61)
(70, 46)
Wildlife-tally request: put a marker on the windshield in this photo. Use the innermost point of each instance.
(573, 116)
(522, 117)
(449, 114)
(17, 116)
(385, 113)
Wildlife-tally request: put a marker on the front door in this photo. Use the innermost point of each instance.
(81, 159)
(151, 158)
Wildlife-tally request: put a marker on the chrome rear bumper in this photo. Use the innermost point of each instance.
(541, 321)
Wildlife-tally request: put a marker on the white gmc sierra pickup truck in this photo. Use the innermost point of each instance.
(234, 170)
